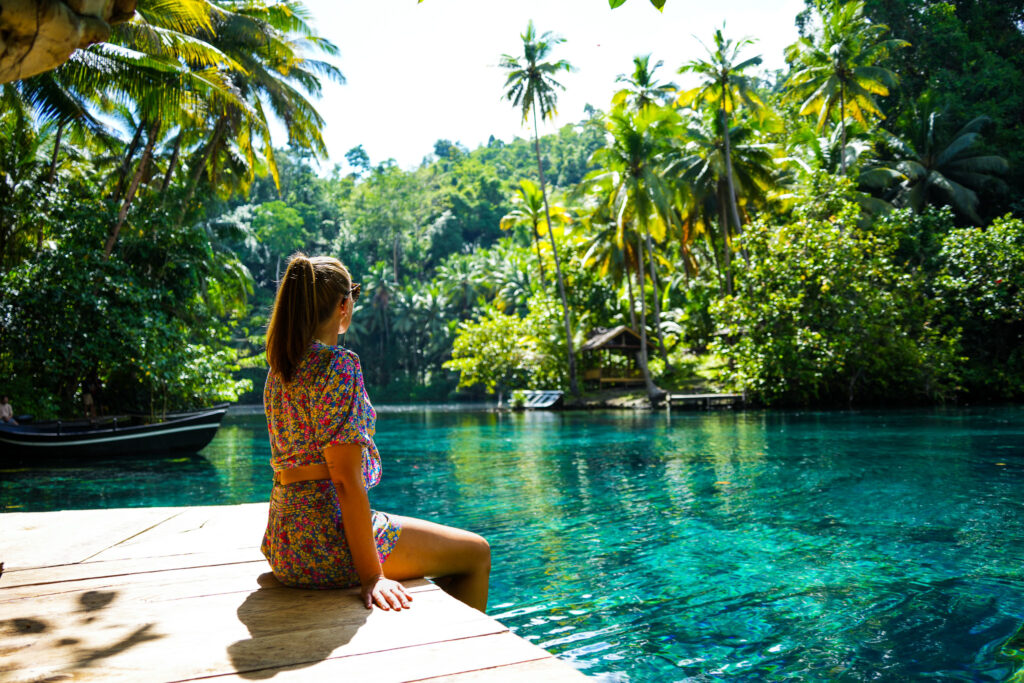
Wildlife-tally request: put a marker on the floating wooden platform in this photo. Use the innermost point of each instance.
(177, 594)
(706, 401)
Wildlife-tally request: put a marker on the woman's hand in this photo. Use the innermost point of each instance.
(385, 593)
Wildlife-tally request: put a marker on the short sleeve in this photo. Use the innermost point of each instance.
(344, 415)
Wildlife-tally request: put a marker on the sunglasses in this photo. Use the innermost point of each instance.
(354, 291)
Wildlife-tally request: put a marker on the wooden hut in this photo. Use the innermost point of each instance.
(610, 357)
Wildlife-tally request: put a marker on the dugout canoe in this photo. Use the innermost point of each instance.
(122, 436)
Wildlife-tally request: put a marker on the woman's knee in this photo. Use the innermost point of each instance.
(482, 551)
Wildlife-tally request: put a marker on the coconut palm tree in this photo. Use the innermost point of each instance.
(641, 88)
(462, 279)
(615, 245)
(702, 165)
(530, 210)
(611, 247)
(639, 193)
(725, 88)
(531, 85)
(837, 71)
(268, 46)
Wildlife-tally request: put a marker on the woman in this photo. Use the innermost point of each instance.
(321, 532)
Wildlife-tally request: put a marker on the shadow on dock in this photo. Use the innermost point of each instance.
(271, 608)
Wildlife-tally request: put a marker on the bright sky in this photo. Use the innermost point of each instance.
(417, 73)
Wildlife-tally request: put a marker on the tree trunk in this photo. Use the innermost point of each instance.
(56, 152)
(657, 296)
(122, 171)
(50, 176)
(573, 386)
(653, 393)
(842, 127)
(132, 188)
(720, 269)
(218, 130)
(632, 299)
(394, 255)
(726, 254)
(172, 165)
(733, 206)
(540, 260)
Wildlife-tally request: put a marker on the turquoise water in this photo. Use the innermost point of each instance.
(701, 546)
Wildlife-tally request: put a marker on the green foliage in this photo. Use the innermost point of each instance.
(981, 284)
(966, 59)
(918, 237)
(823, 316)
(942, 172)
(544, 329)
(70, 315)
(518, 399)
(842, 295)
(493, 351)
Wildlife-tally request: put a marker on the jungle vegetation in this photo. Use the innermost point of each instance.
(846, 231)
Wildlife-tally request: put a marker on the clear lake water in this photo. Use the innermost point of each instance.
(855, 546)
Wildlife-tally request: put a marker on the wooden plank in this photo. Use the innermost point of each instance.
(549, 670)
(222, 634)
(201, 529)
(110, 569)
(170, 584)
(71, 535)
(412, 663)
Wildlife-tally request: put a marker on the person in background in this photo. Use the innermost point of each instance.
(88, 401)
(321, 531)
(6, 411)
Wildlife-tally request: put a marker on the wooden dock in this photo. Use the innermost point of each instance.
(178, 594)
(706, 401)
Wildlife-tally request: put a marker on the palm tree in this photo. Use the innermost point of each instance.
(531, 84)
(724, 87)
(810, 152)
(462, 279)
(152, 66)
(610, 247)
(265, 48)
(703, 164)
(639, 193)
(182, 62)
(530, 210)
(509, 273)
(641, 88)
(937, 171)
(838, 70)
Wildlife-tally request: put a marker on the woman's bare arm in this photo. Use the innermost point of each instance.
(345, 462)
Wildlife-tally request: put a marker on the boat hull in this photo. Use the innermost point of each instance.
(187, 433)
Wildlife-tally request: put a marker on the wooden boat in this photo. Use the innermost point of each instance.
(121, 436)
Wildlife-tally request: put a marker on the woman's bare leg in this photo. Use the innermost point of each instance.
(428, 549)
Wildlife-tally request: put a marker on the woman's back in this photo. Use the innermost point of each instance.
(325, 404)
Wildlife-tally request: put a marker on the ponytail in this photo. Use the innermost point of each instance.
(306, 298)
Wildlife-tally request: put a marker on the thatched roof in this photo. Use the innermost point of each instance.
(619, 338)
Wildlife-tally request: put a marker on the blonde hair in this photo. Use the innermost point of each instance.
(306, 297)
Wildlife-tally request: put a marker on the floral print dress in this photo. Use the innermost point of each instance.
(324, 405)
